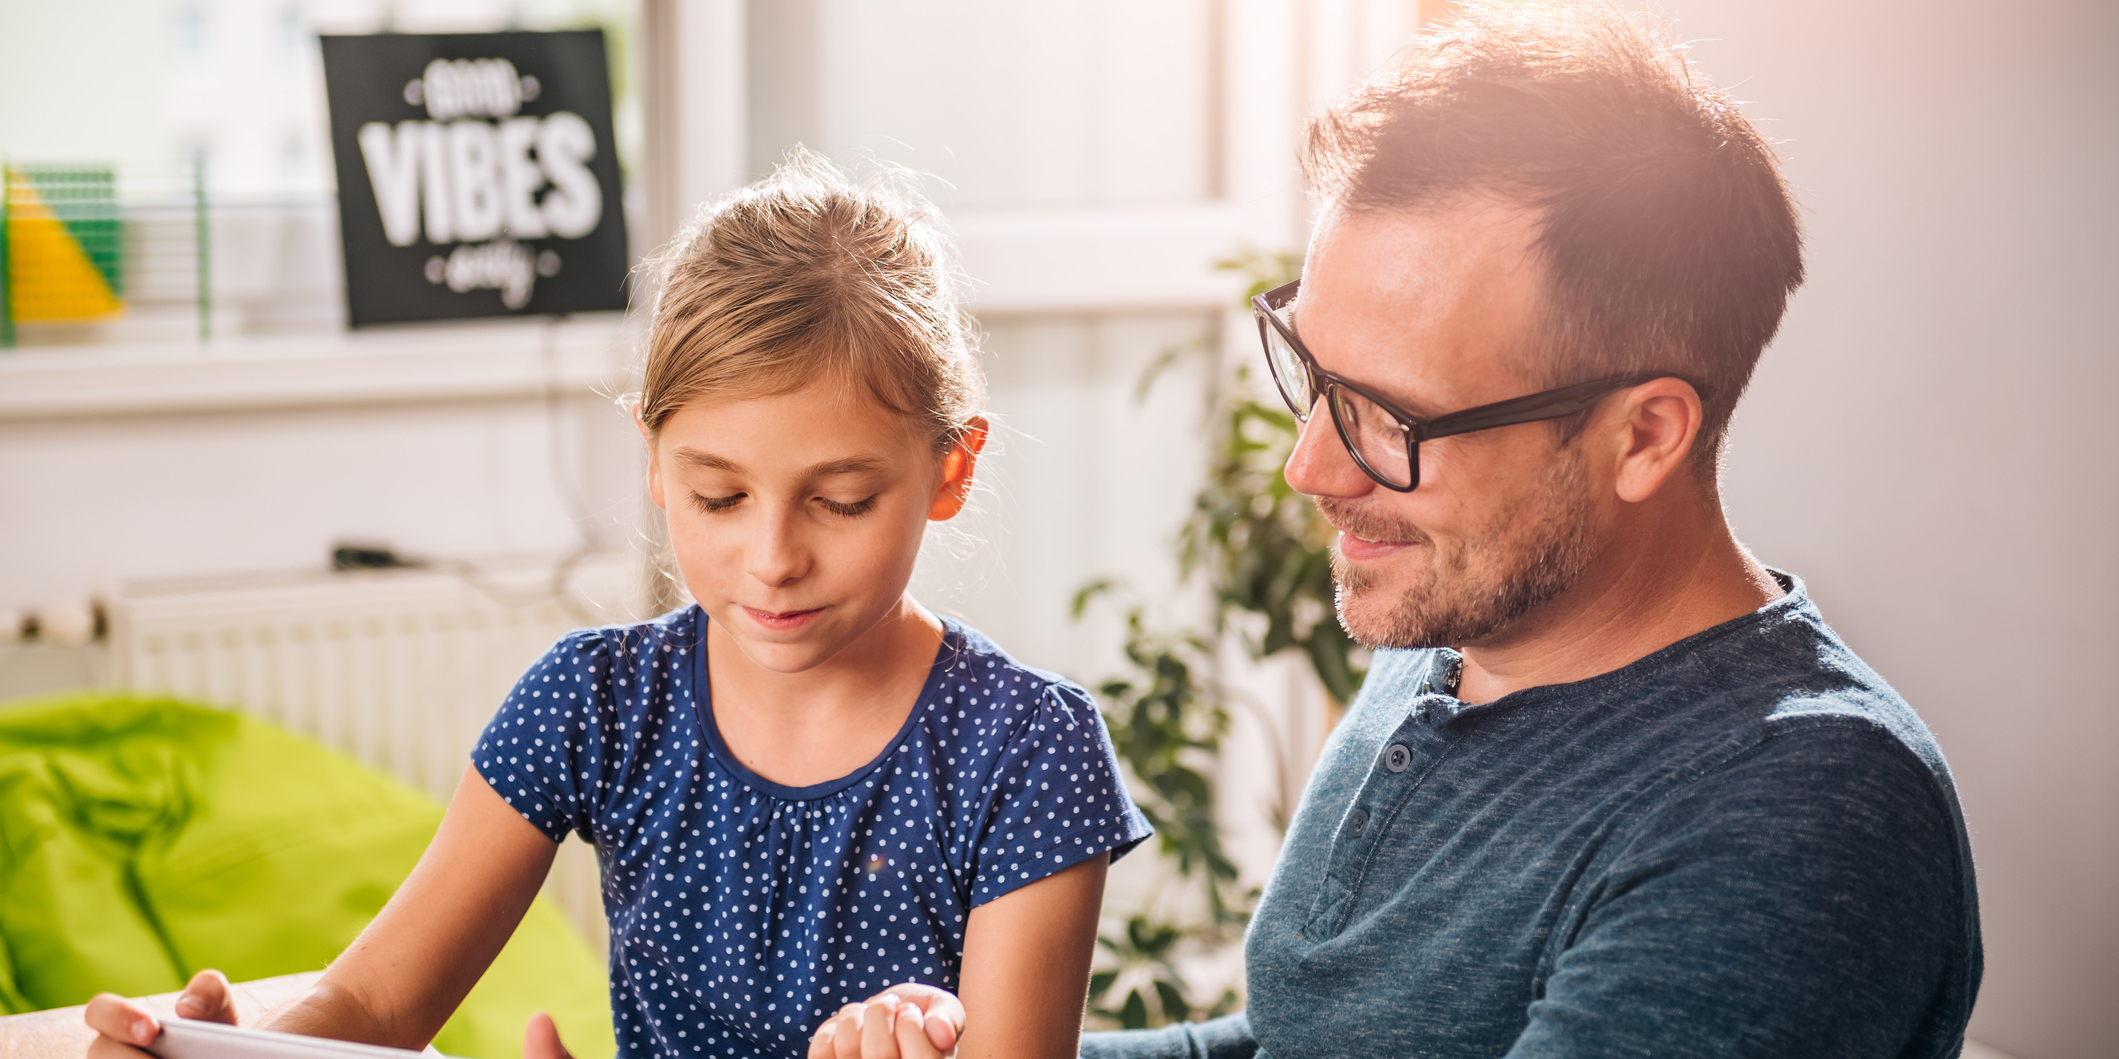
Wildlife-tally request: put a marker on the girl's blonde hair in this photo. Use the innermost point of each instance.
(806, 274)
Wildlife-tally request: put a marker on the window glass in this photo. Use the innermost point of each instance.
(223, 101)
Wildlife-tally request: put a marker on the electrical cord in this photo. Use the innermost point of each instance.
(565, 477)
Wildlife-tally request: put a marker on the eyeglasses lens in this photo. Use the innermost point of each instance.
(1374, 434)
(1289, 374)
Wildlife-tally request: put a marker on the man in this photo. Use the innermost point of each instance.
(1612, 787)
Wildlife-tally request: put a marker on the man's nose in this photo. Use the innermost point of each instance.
(779, 555)
(1320, 465)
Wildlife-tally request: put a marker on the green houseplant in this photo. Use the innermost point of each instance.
(1263, 556)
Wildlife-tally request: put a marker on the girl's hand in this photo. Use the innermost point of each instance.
(123, 1027)
(540, 1039)
(909, 1021)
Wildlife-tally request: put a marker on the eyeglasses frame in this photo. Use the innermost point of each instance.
(1531, 408)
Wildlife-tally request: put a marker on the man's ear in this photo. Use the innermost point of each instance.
(957, 465)
(654, 466)
(1659, 425)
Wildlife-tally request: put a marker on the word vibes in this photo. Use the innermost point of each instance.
(480, 176)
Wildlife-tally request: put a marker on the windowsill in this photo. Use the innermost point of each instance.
(409, 365)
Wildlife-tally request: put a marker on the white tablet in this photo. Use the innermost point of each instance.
(196, 1039)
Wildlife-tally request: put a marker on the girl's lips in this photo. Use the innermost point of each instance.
(1362, 550)
(782, 621)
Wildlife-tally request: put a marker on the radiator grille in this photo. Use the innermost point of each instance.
(400, 669)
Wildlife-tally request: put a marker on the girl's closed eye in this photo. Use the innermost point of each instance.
(852, 510)
(715, 503)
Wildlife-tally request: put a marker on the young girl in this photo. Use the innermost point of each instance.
(805, 788)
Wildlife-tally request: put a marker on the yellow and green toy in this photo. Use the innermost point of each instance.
(64, 252)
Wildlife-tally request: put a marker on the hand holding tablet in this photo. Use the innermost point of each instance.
(203, 1027)
(201, 1024)
(199, 1039)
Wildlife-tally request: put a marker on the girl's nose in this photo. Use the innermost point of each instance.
(779, 556)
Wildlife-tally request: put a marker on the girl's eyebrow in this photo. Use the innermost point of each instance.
(706, 460)
(848, 465)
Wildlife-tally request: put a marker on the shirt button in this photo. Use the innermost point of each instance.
(1356, 822)
(1397, 757)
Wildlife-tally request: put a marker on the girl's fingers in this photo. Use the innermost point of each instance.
(911, 1034)
(944, 1012)
(123, 1027)
(944, 1024)
(208, 997)
(942, 1035)
(820, 1042)
(877, 1040)
(846, 1041)
(540, 1039)
(120, 1021)
(909, 1021)
(111, 1048)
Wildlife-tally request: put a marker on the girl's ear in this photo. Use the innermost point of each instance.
(654, 466)
(956, 471)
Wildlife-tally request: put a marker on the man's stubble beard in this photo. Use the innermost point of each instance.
(1526, 555)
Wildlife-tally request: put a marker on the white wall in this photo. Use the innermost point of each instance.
(199, 474)
(1931, 442)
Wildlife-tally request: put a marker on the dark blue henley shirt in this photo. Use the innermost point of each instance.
(1745, 844)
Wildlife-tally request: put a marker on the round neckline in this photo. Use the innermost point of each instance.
(710, 732)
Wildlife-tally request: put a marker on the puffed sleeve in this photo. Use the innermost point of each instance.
(1053, 798)
(543, 752)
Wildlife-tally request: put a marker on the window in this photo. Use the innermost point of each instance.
(220, 103)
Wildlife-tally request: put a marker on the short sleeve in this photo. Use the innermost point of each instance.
(1054, 798)
(542, 751)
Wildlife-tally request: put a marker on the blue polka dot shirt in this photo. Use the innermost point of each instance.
(743, 912)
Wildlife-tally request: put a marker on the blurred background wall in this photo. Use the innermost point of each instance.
(1926, 443)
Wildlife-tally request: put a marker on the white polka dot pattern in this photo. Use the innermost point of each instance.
(743, 912)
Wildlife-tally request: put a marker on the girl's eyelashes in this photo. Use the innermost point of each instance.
(715, 503)
(853, 510)
(712, 504)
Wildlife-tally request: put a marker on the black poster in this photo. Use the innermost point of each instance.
(476, 175)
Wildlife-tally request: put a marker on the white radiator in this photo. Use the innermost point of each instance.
(399, 668)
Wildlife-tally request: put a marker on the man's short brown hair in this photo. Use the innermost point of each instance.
(1668, 234)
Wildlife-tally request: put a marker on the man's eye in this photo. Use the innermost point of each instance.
(715, 503)
(857, 508)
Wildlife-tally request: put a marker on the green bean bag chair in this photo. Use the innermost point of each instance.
(143, 839)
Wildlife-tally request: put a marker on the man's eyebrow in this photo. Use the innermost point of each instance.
(1420, 409)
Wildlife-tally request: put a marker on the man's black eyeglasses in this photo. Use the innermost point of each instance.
(1385, 439)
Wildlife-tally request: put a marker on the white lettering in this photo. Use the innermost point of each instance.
(434, 182)
(574, 206)
(503, 265)
(520, 178)
(474, 181)
(474, 176)
(462, 88)
(393, 174)
(438, 85)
